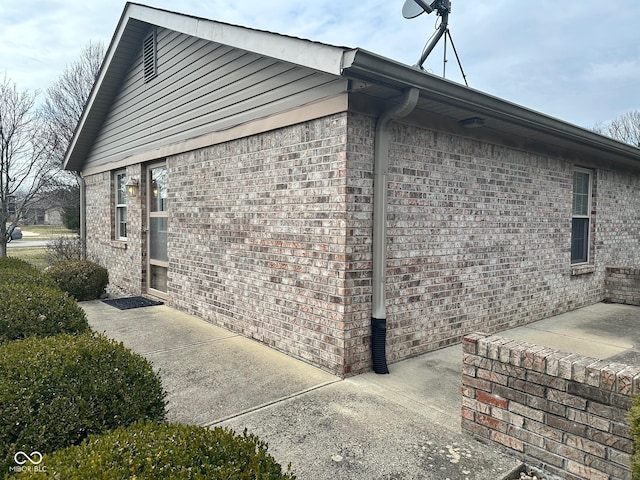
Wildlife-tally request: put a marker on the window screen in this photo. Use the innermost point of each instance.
(581, 216)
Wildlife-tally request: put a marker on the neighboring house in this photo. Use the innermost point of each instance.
(299, 193)
(40, 214)
(44, 209)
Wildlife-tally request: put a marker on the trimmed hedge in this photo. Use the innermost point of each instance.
(30, 309)
(164, 451)
(16, 271)
(634, 430)
(82, 279)
(12, 263)
(56, 391)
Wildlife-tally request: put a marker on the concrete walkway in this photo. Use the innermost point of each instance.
(603, 331)
(405, 425)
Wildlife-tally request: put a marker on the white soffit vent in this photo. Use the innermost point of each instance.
(149, 56)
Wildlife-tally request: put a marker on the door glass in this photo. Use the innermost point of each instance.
(159, 189)
(158, 223)
(158, 238)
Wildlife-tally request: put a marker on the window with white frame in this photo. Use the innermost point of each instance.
(581, 215)
(120, 189)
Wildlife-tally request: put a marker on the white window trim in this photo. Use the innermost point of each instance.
(588, 215)
(119, 207)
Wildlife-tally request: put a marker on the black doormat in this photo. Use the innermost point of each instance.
(131, 302)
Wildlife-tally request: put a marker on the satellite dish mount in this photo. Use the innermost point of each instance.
(414, 8)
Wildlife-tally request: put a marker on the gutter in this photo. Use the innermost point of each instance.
(364, 65)
(381, 170)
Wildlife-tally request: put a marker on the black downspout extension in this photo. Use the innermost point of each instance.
(379, 345)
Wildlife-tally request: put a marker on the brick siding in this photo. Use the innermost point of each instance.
(480, 238)
(623, 285)
(262, 248)
(123, 259)
(562, 412)
(270, 236)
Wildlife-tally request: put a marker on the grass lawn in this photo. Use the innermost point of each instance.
(44, 232)
(37, 256)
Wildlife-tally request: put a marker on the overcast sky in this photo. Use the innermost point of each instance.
(577, 60)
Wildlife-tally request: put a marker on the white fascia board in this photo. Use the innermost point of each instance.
(318, 56)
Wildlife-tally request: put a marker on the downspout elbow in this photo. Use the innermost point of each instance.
(409, 102)
(381, 169)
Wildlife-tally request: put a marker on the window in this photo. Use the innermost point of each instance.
(149, 57)
(120, 189)
(581, 216)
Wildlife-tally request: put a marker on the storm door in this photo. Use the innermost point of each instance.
(157, 220)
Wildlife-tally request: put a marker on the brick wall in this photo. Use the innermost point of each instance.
(270, 236)
(123, 259)
(358, 238)
(563, 412)
(259, 241)
(479, 237)
(618, 236)
(623, 285)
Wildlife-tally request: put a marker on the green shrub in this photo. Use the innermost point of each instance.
(164, 451)
(56, 391)
(82, 279)
(634, 430)
(15, 270)
(29, 309)
(12, 263)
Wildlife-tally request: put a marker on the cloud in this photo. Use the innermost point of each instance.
(614, 71)
(41, 37)
(574, 60)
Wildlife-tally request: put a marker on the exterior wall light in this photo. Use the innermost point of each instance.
(132, 186)
(473, 122)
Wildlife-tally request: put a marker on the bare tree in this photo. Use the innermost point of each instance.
(67, 97)
(625, 128)
(25, 162)
(63, 106)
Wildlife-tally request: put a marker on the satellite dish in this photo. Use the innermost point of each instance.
(413, 8)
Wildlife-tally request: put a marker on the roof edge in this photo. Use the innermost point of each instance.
(363, 64)
(307, 53)
(340, 61)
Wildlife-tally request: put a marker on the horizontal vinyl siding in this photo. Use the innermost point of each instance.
(201, 87)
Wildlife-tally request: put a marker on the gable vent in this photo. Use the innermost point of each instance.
(149, 56)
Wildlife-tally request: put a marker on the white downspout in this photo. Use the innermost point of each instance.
(381, 169)
(83, 216)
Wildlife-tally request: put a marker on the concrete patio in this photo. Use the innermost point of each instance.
(405, 425)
